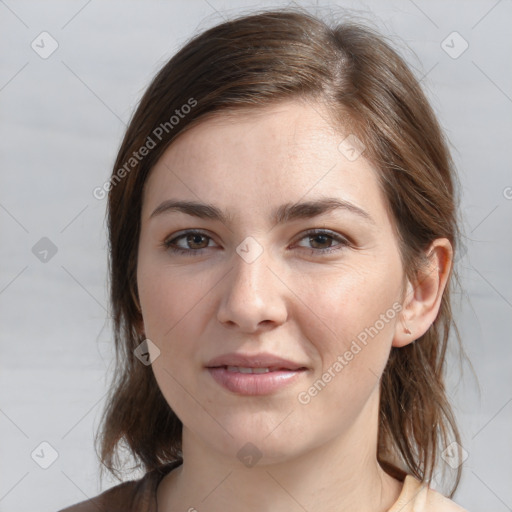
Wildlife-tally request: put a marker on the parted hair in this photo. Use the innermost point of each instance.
(253, 61)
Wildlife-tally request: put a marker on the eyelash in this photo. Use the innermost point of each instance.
(342, 242)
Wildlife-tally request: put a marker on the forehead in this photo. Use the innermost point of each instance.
(253, 158)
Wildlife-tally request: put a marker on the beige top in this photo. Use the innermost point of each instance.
(140, 496)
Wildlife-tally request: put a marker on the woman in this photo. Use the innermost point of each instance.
(282, 233)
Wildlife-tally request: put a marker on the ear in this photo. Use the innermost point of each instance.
(423, 297)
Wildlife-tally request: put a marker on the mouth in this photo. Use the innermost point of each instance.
(257, 369)
(254, 363)
(263, 374)
(241, 369)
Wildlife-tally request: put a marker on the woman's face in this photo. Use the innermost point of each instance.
(293, 266)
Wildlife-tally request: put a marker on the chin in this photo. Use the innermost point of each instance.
(259, 445)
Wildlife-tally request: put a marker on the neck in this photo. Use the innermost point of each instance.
(340, 475)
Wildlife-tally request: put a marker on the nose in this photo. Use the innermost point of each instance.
(252, 296)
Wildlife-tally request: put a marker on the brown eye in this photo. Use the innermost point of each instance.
(321, 241)
(190, 242)
(196, 241)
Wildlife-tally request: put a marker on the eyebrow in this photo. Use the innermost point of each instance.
(284, 213)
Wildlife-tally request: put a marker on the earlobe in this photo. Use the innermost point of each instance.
(423, 297)
(403, 333)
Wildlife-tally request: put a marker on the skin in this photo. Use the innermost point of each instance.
(293, 301)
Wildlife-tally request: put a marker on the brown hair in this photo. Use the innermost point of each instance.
(254, 61)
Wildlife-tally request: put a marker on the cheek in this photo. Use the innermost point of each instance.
(176, 307)
(173, 305)
(169, 299)
(350, 322)
(351, 344)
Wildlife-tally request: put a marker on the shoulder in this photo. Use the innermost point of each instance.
(418, 497)
(439, 503)
(133, 496)
(117, 498)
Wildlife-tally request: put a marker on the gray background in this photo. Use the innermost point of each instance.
(61, 122)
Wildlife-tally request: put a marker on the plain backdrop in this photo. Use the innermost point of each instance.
(62, 117)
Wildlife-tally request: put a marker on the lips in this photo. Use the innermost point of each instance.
(261, 374)
(257, 361)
